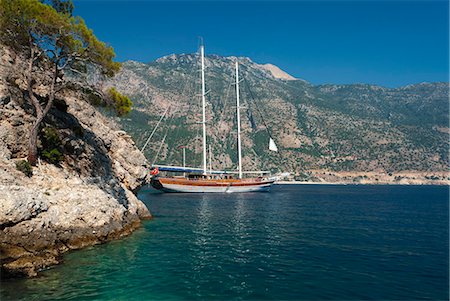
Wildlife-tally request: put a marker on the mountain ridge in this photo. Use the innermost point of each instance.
(336, 127)
(262, 65)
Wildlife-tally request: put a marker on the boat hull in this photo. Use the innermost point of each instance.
(205, 186)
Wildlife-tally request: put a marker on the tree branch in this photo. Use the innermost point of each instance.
(37, 106)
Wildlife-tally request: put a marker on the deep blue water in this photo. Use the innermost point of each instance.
(298, 242)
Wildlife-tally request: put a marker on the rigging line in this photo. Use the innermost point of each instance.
(257, 108)
(169, 120)
(193, 105)
(175, 106)
(185, 94)
(195, 147)
(154, 130)
(222, 114)
(280, 155)
(233, 145)
(189, 76)
(287, 85)
(170, 126)
(195, 88)
(267, 82)
(160, 147)
(221, 120)
(174, 135)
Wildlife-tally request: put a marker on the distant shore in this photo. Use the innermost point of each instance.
(407, 177)
(356, 183)
(306, 183)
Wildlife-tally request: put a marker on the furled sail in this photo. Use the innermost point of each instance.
(272, 145)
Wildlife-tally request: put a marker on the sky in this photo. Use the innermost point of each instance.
(388, 43)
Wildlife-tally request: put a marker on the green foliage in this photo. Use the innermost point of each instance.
(50, 138)
(51, 38)
(311, 150)
(61, 6)
(121, 103)
(90, 95)
(51, 145)
(25, 167)
(53, 156)
(62, 38)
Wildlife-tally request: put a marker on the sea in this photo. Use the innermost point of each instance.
(297, 242)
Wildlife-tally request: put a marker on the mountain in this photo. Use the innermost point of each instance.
(326, 128)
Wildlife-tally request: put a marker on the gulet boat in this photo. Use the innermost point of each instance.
(201, 180)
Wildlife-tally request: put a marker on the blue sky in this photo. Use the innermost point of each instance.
(389, 43)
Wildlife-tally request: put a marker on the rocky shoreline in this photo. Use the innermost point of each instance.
(54, 212)
(86, 198)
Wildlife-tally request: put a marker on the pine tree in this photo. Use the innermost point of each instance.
(49, 35)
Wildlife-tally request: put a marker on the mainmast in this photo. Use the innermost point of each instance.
(202, 53)
(238, 122)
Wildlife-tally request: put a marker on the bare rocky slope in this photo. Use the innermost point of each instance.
(323, 132)
(86, 198)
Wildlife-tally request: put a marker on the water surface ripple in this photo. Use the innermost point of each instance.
(308, 242)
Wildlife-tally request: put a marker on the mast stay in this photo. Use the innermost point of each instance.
(202, 53)
(238, 115)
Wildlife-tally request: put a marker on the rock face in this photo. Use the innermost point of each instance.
(85, 199)
(277, 72)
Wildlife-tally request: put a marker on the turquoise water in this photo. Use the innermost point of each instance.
(308, 242)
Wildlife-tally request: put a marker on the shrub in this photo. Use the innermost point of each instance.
(51, 143)
(121, 103)
(50, 138)
(53, 156)
(93, 97)
(25, 167)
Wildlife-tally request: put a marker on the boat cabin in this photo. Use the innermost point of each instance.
(209, 177)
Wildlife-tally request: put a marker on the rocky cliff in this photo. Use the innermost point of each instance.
(83, 198)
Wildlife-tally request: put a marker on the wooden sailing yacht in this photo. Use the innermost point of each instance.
(203, 180)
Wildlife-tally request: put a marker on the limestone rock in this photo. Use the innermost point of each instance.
(16, 205)
(87, 199)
